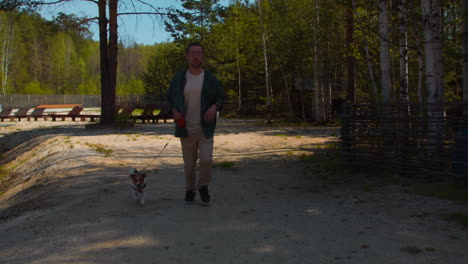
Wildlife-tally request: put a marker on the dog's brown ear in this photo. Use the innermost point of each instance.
(144, 174)
(131, 175)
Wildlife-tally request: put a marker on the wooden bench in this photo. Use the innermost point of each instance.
(21, 113)
(74, 113)
(164, 114)
(55, 106)
(37, 113)
(6, 113)
(148, 115)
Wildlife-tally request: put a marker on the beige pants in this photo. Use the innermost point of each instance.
(196, 147)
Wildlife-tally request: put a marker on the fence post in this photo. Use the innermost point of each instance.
(460, 157)
(403, 135)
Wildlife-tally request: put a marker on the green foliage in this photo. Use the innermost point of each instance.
(412, 250)
(194, 21)
(302, 37)
(166, 61)
(458, 217)
(3, 173)
(100, 149)
(90, 85)
(443, 190)
(226, 164)
(34, 87)
(133, 86)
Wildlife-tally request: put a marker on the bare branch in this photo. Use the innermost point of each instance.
(143, 13)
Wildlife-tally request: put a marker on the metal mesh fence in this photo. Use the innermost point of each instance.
(414, 140)
(24, 100)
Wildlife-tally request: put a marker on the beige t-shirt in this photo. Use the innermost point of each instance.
(192, 92)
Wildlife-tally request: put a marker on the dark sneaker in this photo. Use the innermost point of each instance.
(204, 195)
(190, 196)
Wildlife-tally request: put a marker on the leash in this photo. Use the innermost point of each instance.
(157, 156)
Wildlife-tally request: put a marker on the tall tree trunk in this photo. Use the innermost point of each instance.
(404, 110)
(403, 50)
(385, 66)
(317, 90)
(465, 56)
(265, 57)
(350, 61)
(239, 82)
(7, 52)
(370, 68)
(388, 125)
(104, 61)
(285, 79)
(433, 49)
(421, 70)
(431, 13)
(113, 51)
(108, 51)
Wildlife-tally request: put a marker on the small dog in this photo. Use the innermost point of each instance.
(139, 184)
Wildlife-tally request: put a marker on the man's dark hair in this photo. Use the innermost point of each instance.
(194, 44)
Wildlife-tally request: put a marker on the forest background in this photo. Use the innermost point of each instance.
(295, 56)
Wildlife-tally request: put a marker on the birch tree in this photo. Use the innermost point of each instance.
(239, 72)
(7, 34)
(403, 140)
(318, 93)
(431, 13)
(385, 66)
(265, 58)
(403, 50)
(350, 60)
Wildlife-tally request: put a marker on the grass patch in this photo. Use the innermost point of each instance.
(458, 217)
(332, 146)
(329, 167)
(412, 250)
(100, 149)
(3, 173)
(226, 164)
(369, 188)
(443, 190)
(17, 164)
(249, 211)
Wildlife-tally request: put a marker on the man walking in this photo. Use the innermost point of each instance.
(195, 95)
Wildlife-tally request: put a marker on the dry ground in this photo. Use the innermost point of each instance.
(69, 201)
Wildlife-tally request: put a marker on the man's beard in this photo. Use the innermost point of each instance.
(196, 65)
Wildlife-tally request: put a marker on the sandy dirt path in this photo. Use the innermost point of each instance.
(71, 204)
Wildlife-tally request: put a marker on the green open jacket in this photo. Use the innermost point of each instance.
(212, 93)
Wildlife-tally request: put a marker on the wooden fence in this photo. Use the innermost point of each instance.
(412, 140)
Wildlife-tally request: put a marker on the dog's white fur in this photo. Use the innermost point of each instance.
(138, 184)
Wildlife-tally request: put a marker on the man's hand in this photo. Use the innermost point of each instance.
(177, 114)
(210, 114)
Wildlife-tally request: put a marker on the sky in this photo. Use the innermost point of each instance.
(141, 29)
